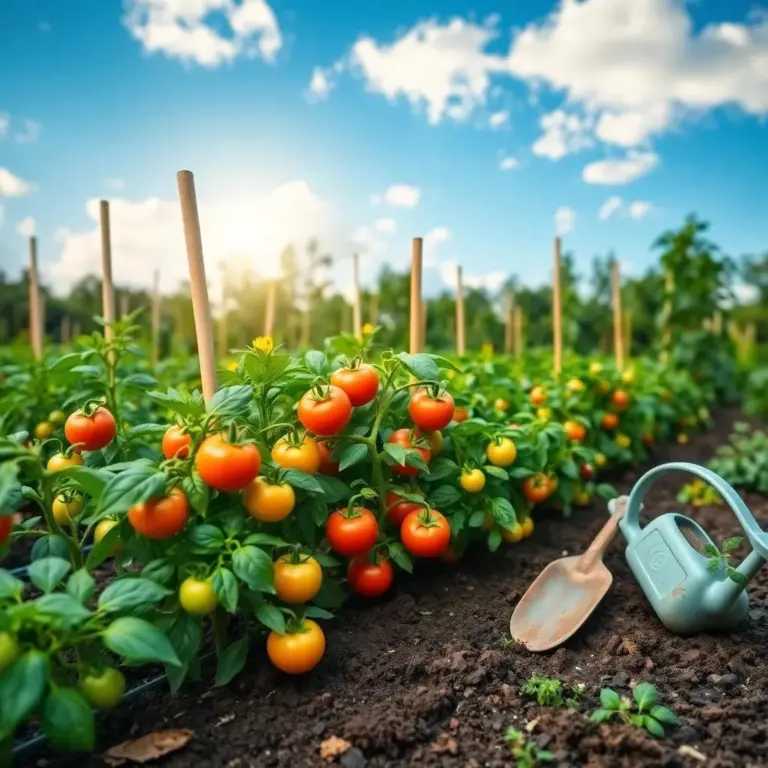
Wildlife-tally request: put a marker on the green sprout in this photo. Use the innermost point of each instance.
(718, 558)
(525, 753)
(642, 713)
(548, 692)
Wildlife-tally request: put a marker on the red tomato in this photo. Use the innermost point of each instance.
(537, 488)
(6, 524)
(160, 518)
(575, 431)
(538, 395)
(370, 579)
(352, 532)
(398, 510)
(327, 464)
(90, 433)
(587, 471)
(227, 467)
(609, 421)
(647, 439)
(361, 383)
(403, 437)
(431, 413)
(426, 534)
(621, 399)
(325, 413)
(460, 414)
(176, 443)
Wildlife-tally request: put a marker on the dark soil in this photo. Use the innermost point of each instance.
(424, 677)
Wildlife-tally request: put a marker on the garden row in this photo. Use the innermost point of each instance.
(257, 512)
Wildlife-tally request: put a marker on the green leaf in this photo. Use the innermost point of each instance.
(146, 430)
(313, 612)
(9, 485)
(334, 489)
(712, 550)
(68, 721)
(104, 549)
(131, 592)
(206, 538)
(231, 401)
(610, 699)
(477, 518)
(494, 539)
(160, 570)
(399, 555)
(330, 596)
(225, 586)
(304, 481)
(271, 617)
(441, 468)
(64, 607)
(21, 689)
(254, 567)
(653, 727)
(665, 715)
(713, 564)
(138, 641)
(736, 575)
(497, 472)
(422, 366)
(92, 481)
(606, 491)
(266, 540)
(520, 473)
(645, 696)
(444, 362)
(570, 469)
(46, 573)
(352, 454)
(445, 496)
(198, 493)
(503, 512)
(127, 489)
(139, 381)
(10, 587)
(232, 661)
(51, 545)
(601, 715)
(185, 636)
(81, 586)
(316, 361)
(732, 544)
(326, 560)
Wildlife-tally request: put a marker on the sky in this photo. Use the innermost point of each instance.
(484, 127)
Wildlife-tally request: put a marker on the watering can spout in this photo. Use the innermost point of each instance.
(727, 591)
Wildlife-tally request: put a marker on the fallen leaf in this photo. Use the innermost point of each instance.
(531, 725)
(149, 747)
(686, 751)
(334, 747)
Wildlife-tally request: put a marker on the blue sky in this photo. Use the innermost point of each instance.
(655, 102)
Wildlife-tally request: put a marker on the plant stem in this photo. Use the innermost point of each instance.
(46, 505)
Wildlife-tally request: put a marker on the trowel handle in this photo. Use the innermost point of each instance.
(757, 538)
(604, 538)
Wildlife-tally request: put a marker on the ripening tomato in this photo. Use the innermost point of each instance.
(297, 652)
(90, 433)
(628, 377)
(609, 421)
(370, 579)
(537, 488)
(647, 439)
(197, 596)
(582, 498)
(426, 533)
(103, 527)
(57, 417)
(297, 583)
(325, 411)
(587, 471)
(6, 526)
(361, 383)
(682, 439)
(328, 466)
(351, 532)
(527, 526)
(305, 457)
(603, 387)
(460, 414)
(402, 437)
(501, 452)
(545, 414)
(595, 369)
(9, 650)
(225, 466)
(44, 430)
(398, 510)
(538, 396)
(575, 385)
(621, 399)
(160, 518)
(472, 481)
(269, 502)
(512, 535)
(436, 441)
(431, 413)
(176, 443)
(500, 404)
(59, 461)
(600, 460)
(103, 690)
(65, 511)
(623, 441)
(575, 431)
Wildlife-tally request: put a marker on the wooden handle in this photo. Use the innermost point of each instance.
(602, 541)
(417, 247)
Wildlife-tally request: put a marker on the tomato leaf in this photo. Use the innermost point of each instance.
(9, 485)
(232, 661)
(139, 381)
(21, 688)
(330, 596)
(316, 361)
(129, 488)
(206, 538)
(352, 454)
(254, 567)
(653, 727)
(444, 496)
(503, 512)
(92, 481)
(160, 570)
(64, 607)
(68, 721)
(334, 489)
(198, 493)
(326, 560)
(302, 480)
(444, 362)
(225, 585)
(47, 572)
(441, 468)
(610, 699)
(51, 545)
(313, 612)
(569, 469)
(496, 472)
(185, 636)
(131, 592)
(146, 430)
(494, 539)
(10, 586)
(181, 401)
(399, 555)
(422, 366)
(266, 540)
(665, 715)
(231, 401)
(520, 473)
(271, 617)
(477, 518)
(81, 586)
(138, 641)
(606, 491)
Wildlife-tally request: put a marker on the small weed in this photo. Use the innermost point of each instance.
(718, 558)
(526, 753)
(506, 641)
(642, 713)
(548, 692)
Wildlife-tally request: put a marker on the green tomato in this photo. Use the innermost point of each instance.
(104, 690)
(9, 650)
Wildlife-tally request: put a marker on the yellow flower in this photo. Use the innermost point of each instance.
(232, 366)
(263, 344)
(368, 329)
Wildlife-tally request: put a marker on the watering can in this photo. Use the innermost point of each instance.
(687, 596)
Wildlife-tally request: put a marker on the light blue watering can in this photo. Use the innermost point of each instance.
(687, 596)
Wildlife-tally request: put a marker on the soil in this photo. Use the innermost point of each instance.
(425, 676)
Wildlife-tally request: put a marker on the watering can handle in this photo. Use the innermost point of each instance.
(757, 538)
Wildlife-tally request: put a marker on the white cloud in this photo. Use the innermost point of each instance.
(499, 119)
(639, 209)
(114, 183)
(386, 225)
(509, 163)
(563, 134)
(402, 196)
(320, 85)
(192, 30)
(609, 207)
(13, 186)
(491, 281)
(26, 227)
(614, 172)
(628, 129)
(5, 121)
(432, 240)
(565, 219)
(30, 133)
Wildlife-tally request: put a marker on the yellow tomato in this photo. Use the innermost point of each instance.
(682, 439)
(513, 535)
(57, 417)
(600, 460)
(472, 481)
(66, 512)
(102, 529)
(501, 404)
(595, 369)
(545, 414)
(628, 377)
(44, 430)
(59, 461)
(527, 527)
(575, 385)
(297, 583)
(198, 597)
(269, 502)
(582, 499)
(501, 452)
(305, 457)
(297, 652)
(623, 441)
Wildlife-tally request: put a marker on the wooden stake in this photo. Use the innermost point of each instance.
(269, 310)
(518, 319)
(107, 288)
(717, 323)
(509, 312)
(198, 288)
(460, 327)
(557, 312)
(417, 247)
(35, 331)
(618, 336)
(357, 309)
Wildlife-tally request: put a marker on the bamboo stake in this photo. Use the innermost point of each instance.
(417, 246)
(156, 318)
(618, 336)
(198, 288)
(460, 327)
(35, 317)
(518, 320)
(269, 309)
(357, 308)
(107, 288)
(557, 312)
(509, 323)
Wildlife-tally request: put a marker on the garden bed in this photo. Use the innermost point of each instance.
(424, 676)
